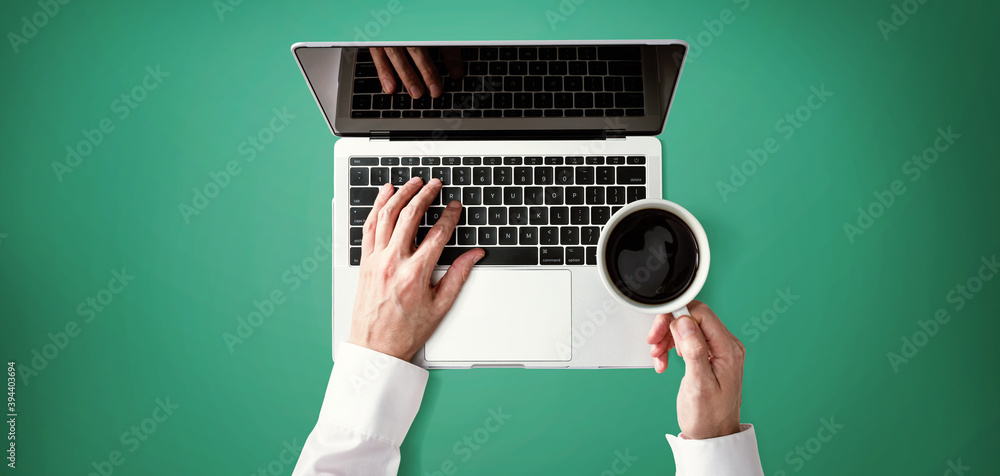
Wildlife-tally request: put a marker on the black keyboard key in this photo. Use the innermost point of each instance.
(451, 161)
(359, 176)
(367, 85)
(613, 83)
(434, 214)
(477, 215)
(630, 52)
(359, 215)
(549, 235)
(631, 175)
(597, 68)
(533, 113)
(574, 160)
(361, 101)
(564, 175)
(585, 175)
(503, 175)
(605, 175)
(423, 102)
(472, 161)
(364, 161)
(503, 100)
(392, 114)
(559, 215)
(591, 255)
(635, 193)
(466, 236)
(379, 175)
(593, 83)
(482, 100)
(462, 100)
(595, 160)
(604, 100)
(481, 176)
(461, 176)
(443, 174)
(508, 235)
(493, 83)
(553, 195)
(517, 216)
(512, 161)
(547, 53)
(573, 83)
(487, 235)
(636, 159)
(579, 215)
(575, 196)
(543, 175)
(498, 68)
(587, 52)
(633, 83)
(522, 175)
(623, 100)
(522, 100)
(488, 53)
(382, 101)
(615, 195)
(443, 102)
(625, 68)
(635, 112)
(594, 112)
(567, 53)
(492, 160)
(363, 195)
(589, 235)
(595, 195)
(553, 83)
(564, 100)
(472, 196)
(479, 68)
(528, 235)
(575, 255)
(533, 83)
(410, 161)
(577, 68)
(537, 68)
(528, 53)
(429, 113)
(534, 196)
(533, 160)
(365, 115)
(448, 194)
(355, 256)
(557, 68)
(415, 113)
(512, 196)
(508, 53)
(553, 113)
(518, 68)
(362, 70)
(401, 101)
(469, 53)
(512, 83)
(615, 160)
(497, 216)
(538, 216)
(600, 215)
(508, 255)
(543, 100)
(423, 172)
(492, 196)
(550, 255)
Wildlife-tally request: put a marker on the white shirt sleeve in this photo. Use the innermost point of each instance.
(370, 403)
(731, 455)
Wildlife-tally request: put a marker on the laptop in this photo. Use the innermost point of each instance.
(542, 142)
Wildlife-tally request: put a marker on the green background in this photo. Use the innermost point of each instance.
(826, 356)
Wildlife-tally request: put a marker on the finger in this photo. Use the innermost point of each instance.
(409, 217)
(660, 347)
(411, 80)
(690, 339)
(430, 249)
(660, 329)
(427, 69)
(453, 280)
(719, 339)
(660, 363)
(453, 61)
(389, 213)
(386, 75)
(369, 230)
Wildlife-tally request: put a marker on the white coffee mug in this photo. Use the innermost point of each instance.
(678, 305)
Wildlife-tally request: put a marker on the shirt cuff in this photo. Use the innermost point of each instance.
(373, 393)
(730, 455)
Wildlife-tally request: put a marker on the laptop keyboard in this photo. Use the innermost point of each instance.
(521, 210)
(563, 81)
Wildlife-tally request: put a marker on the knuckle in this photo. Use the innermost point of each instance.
(385, 213)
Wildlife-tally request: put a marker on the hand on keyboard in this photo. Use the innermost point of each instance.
(391, 61)
(396, 308)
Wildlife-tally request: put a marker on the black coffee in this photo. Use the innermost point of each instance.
(651, 256)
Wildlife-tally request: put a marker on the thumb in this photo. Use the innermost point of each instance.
(453, 280)
(692, 345)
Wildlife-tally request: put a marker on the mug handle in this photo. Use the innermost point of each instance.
(681, 312)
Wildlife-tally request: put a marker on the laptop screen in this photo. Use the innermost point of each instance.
(495, 89)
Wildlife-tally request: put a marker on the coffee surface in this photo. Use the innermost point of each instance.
(651, 256)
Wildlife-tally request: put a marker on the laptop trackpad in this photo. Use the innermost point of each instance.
(507, 315)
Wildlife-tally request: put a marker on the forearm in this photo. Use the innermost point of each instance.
(732, 455)
(368, 408)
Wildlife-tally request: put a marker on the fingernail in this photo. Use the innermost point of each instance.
(417, 91)
(685, 327)
(416, 180)
(385, 188)
(436, 90)
(434, 181)
(386, 87)
(454, 204)
(478, 257)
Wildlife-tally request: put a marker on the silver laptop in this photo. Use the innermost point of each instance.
(541, 142)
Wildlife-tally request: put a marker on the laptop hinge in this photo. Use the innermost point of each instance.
(614, 133)
(379, 135)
